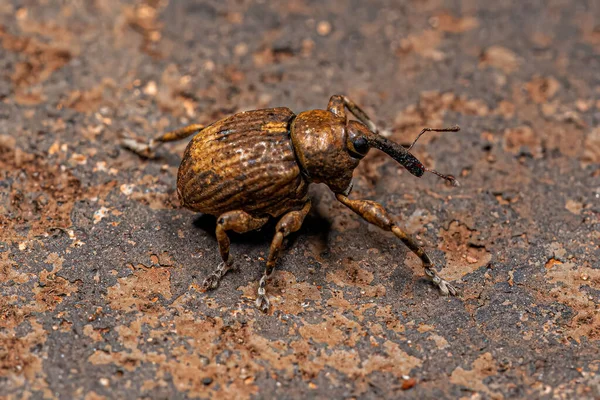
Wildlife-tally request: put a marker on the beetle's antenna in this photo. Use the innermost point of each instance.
(451, 129)
(449, 178)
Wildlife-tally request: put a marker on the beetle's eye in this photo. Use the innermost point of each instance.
(360, 144)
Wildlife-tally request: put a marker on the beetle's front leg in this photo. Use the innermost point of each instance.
(375, 213)
(146, 148)
(337, 105)
(289, 223)
(237, 221)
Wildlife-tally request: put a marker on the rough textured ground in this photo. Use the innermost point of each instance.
(100, 267)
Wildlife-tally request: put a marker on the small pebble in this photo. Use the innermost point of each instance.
(471, 260)
(408, 383)
(323, 28)
(207, 381)
(240, 49)
(151, 88)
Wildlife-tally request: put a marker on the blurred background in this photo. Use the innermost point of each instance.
(100, 266)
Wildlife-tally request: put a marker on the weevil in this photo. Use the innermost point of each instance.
(257, 165)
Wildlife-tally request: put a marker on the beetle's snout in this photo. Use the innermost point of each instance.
(400, 154)
(361, 139)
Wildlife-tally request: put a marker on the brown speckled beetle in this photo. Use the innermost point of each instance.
(258, 164)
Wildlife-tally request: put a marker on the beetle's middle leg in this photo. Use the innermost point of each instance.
(146, 149)
(375, 213)
(237, 221)
(290, 222)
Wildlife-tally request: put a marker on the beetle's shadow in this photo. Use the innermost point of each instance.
(208, 223)
(314, 225)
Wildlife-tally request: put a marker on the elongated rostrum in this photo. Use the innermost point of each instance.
(257, 165)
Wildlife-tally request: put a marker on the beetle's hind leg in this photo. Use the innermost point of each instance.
(237, 221)
(146, 148)
(375, 213)
(290, 222)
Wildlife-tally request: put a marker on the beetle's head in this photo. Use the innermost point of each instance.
(329, 148)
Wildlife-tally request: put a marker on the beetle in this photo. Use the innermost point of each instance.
(257, 165)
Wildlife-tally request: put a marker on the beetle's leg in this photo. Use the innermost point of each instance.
(237, 221)
(146, 149)
(337, 103)
(290, 222)
(375, 213)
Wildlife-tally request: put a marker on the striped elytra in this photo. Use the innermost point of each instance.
(243, 162)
